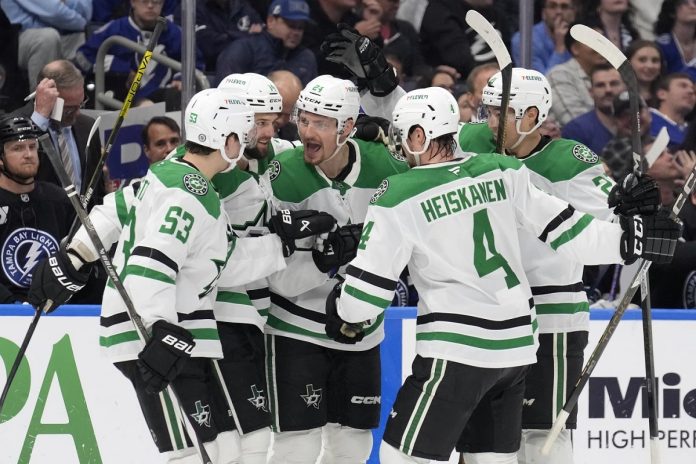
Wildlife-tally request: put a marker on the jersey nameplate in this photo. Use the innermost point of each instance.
(584, 154)
(196, 184)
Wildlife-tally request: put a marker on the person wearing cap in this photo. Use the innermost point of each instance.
(34, 215)
(277, 47)
(596, 127)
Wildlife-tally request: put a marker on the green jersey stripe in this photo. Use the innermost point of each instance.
(563, 308)
(424, 401)
(476, 342)
(225, 296)
(173, 422)
(573, 232)
(121, 208)
(205, 334)
(140, 271)
(123, 337)
(366, 297)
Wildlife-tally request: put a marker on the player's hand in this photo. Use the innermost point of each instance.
(338, 248)
(336, 328)
(653, 238)
(164, 355)
(294, 225)
(362, 58)
(55, 280)
(372, 129)
(635, 195)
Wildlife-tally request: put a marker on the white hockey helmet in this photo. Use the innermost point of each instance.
(212, 115)
(332, 97)
(529, 88)
(434, 109)
(260, 93)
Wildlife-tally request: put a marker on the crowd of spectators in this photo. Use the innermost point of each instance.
(428, 42)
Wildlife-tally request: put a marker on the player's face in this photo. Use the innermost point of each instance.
(264, 131)
(74, 101)
(162, 140)
(318, 135)
(22, 157)
(493, 118)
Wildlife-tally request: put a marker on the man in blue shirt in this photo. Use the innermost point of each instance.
(677, 98)
(548, 36)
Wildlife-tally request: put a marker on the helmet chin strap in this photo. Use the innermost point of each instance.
(417, 154)
(522, 133)
(232, 161)
(339, 144)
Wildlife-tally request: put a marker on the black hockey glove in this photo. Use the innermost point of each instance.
(372, 129)
(164, 355)
(339, 248)
(55, 280)
(293, 225)
(649, 237)
(336, 328)
(635, 195)
(362, 58)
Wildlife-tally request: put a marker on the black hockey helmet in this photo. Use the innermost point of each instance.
(17, 128)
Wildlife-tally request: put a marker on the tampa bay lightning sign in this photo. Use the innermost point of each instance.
(22, 250)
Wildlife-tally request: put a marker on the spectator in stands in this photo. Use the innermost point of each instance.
(676, 34)
(121, 63)
(401, 40)
(412, 11)
(548, 36)
(616, 19)
(160, 136)
(51, 30)
(675, 93)
(289, 87)
(470, 100)
(570, 81)
(448, 39)
(34, 215)
(107, 10)
(69, 134)
(278, 47)
(596, 127)
(618, 153)
(219, 23)
(646, 58)
(443, 79)
(326, 15)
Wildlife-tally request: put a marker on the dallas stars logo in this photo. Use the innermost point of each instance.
(202, 414)
(380, 191)
(196, 184)
(313, 397)
(257, 398)
(584, 154)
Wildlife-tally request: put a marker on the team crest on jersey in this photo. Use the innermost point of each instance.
(313, 396)
(584, 154)
(257, 398)
(380, 191)
(274, 170)
(202, 414)
(690, 291)
(396, 154)
(196, 184)
(22, 249)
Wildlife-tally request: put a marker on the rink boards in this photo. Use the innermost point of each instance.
(70, 405)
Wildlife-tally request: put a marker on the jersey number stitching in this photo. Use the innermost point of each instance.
(484, 244)
(172, 227)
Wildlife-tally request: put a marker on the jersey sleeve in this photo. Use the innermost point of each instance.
(383, 252)
(169, 234)
(253, 258)
(108, 220)
(575, 235)
(589, 192)
(381, 106)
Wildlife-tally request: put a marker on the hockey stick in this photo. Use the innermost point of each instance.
(18, 360)
(106, 149)
(611, 327)
(84, 219)
(486, 30)
(618, 60)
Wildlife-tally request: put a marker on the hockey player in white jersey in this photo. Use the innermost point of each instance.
(165, 278)
(572, 172)
(454, 220)
(312, 379)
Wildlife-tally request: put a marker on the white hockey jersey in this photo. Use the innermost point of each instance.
(456, 226)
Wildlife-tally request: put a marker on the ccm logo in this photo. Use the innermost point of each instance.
(366, 400)
(178, 344)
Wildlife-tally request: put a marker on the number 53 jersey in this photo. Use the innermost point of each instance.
(457, 226)
(170, 253)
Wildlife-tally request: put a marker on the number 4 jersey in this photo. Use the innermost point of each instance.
(456, 225)
(171, 251)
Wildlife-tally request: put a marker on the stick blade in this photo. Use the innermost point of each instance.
(599, 43)
(491, 36)
(658, 146)
(558, 425)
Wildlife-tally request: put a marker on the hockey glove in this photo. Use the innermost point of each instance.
(372, 129)
(164, 355)
(293, 225)
(635, 195)
(336, 328)
(362, 58)
(653, 238)
(55, 280)
(339, 248)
